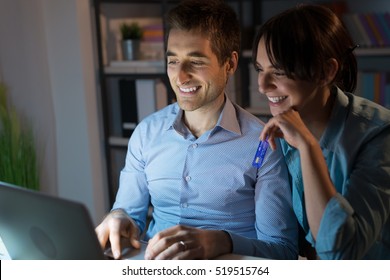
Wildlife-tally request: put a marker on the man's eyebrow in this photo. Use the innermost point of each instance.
(169, 53)
(191, 54)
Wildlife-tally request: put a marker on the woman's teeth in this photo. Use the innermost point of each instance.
(276, 99)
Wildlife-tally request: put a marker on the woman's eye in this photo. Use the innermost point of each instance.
(279, 73)
(258, 69)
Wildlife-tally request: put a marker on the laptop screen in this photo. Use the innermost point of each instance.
(38, 226)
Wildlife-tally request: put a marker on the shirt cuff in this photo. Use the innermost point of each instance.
(240, 245)
(336, 215)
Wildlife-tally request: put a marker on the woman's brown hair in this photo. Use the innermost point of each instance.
(302, 39)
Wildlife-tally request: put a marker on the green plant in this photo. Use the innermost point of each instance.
(131, 31)
(18, 161)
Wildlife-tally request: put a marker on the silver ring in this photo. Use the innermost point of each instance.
(183, 245)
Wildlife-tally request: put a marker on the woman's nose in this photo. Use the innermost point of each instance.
(265, 82)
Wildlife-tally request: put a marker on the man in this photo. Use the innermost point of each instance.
(193, 159)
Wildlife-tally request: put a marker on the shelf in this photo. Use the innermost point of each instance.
(136, 67)
(136, 1)
(384, 51)
(373, 51)
(119, 142)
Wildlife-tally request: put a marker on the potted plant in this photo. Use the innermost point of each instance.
(131, 39)
(18, 160)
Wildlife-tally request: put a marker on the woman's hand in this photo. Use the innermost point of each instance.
(287, 125)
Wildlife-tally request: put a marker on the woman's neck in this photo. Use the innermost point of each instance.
(317, 119)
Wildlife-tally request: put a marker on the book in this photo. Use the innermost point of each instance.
(146, 97)
(385, 27)
(353, 29)
(375, 28)
(128, 106)
(373, 42)
(161, 95)
(375, 86)
(387, 91)
(365, 41)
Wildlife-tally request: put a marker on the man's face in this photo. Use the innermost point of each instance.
(195, 74)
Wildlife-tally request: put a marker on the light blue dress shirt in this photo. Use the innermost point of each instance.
(209, 182)
(356, 147)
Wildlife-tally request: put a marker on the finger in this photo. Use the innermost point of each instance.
(159, 244)
(196, 253)
(135, 242)
(169, 232)
(176, 250)
(127, 242)
(264, 133)
(267, 129)
(115, 243)
(272, 137)
(102, 235)
(156, 246)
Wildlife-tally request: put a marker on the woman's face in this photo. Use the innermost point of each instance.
(282, 92)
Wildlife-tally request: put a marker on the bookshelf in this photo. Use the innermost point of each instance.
(129, 90)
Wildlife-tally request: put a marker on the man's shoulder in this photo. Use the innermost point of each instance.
(168, 112)
(247, 117)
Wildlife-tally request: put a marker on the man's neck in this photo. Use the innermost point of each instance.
(203, 119)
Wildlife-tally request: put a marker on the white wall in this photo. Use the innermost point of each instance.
(47, 61)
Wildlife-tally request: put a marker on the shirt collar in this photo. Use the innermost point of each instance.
(338, 114)
(228, 119)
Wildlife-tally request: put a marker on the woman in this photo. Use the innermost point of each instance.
(336, 145)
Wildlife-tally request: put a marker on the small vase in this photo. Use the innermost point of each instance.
(131, 49)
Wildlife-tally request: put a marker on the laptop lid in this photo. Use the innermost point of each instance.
(34, 225)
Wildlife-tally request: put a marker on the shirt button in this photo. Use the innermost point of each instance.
(188, 178)
(194, 146)
(184, 205)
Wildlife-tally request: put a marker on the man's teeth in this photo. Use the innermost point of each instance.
(188, 89)
(276, 99)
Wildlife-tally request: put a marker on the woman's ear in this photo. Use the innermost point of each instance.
(331, 69)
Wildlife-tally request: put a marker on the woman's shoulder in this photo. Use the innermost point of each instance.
(366, 112)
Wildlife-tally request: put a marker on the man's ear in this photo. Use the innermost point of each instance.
(231, 65)
(331, 69)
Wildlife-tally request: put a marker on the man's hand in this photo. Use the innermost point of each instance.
(182, 242)
(116, 225)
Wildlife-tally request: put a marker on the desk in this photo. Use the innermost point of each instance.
(139, 254)
(237, 257)
(132, 254)
(3, 251)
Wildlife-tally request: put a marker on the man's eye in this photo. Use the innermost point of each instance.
(172, 62)
(197, 63)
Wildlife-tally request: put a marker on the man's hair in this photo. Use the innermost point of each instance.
(212, 18)
(301, 39)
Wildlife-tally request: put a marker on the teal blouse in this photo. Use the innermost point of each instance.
(356, 147)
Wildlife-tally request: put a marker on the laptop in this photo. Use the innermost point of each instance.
(34, 226)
